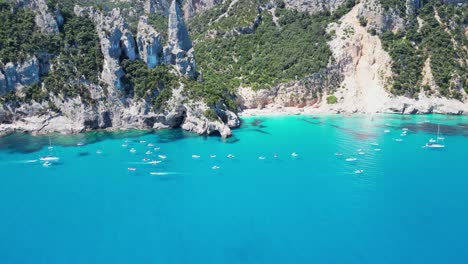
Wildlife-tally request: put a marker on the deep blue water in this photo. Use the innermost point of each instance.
(409, 205)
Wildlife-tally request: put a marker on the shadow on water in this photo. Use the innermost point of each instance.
(260, 131)
(356, 134)
(312, 121)
(258, 123)
(230, 140)
(171, 135)
(27, 143)
(431, 128)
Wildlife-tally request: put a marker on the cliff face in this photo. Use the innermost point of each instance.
(314, 6)
(115, 39)
(47, 21)
(157, 6)
(179, 50)
(193, 7)
(369, 56)
(16, 75)
(112, 106)
(149, 43)
(366, 71)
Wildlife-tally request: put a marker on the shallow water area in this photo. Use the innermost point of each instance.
(291, 189)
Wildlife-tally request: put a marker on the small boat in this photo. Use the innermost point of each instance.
(157, 148)
(402, 135)
(79, 144)
(294, 154)
(230, 156)
(142, 141)
(98, 151)
(132, 150)
(434, 144)
(351, 159)
(275, 155)
(358, 171)
(155, 173)
(261, 157)
(196, 156)
(148, 152)
(212, 156)
(46, 164)
(361, 153)
(162, 156)
(405, 129)
(124, 145)
(215, 167)
(154, 162)
(146, 159)
(398, 140)
(338, 154)
(386, 131)
(49, 158)
(132, 169)
(374, 144)
(150, 145)
(377, 149)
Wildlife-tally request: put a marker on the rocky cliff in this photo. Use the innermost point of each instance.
(365, 72)
(112, 66)
(149, 43)
(179, 50)
(47, 20)
(112, 103)
(14, 76)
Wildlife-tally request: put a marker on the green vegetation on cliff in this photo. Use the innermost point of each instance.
(440, 42)
(155, 84)
(75, 52)
(20, 37)
(285, 45)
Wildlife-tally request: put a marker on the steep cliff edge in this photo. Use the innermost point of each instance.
(122, 64)
(115, 99)
(367, 74)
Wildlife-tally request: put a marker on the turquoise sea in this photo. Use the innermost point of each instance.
(408, 205)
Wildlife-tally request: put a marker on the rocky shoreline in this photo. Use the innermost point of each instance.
(202, 126)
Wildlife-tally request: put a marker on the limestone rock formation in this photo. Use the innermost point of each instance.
(193, 7)
(412, 6)
(16, 75)
(48, 22)
(149, 43)
(115, 40)
(157, 6)
(3, 84)
(379, 19)
(314, 6)
(180, 50)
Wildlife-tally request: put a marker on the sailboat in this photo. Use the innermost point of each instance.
(49, 158)
(434, 144)
(50, 144)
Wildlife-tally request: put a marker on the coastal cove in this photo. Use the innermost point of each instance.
(280, 190)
